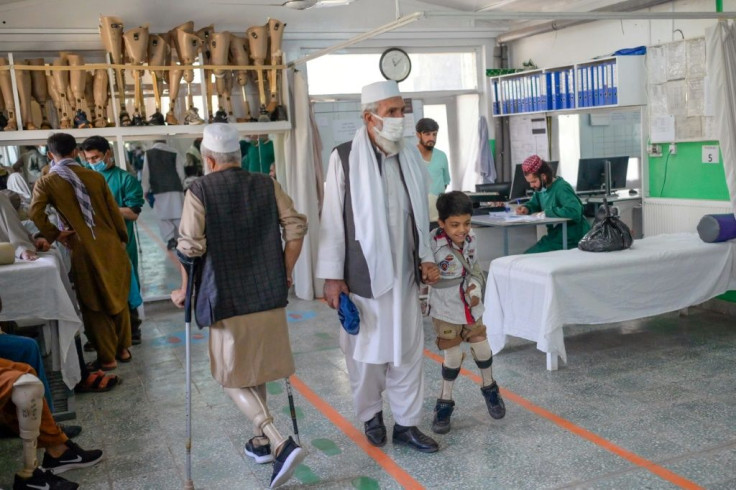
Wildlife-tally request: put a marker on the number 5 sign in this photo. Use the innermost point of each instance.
(710, 154)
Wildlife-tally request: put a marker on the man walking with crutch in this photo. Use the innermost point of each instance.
(235, 220)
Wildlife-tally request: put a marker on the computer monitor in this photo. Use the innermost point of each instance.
(519, 186)
(592, 174)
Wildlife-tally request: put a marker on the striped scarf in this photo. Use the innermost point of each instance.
(63, 169)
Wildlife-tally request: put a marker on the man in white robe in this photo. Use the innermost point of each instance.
(163, 176)
(374, 242)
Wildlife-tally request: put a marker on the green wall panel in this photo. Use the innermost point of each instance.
(687, 177)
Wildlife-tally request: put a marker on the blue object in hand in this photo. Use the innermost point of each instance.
(150, 198)
(349, 315)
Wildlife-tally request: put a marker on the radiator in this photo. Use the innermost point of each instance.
(678, 215)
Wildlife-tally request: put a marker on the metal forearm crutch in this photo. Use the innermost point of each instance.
(292, 409)
(190, 265)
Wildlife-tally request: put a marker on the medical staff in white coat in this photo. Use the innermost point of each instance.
(374, 246)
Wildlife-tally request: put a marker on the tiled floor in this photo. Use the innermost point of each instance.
(642, 404)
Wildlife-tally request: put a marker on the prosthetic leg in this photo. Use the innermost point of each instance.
(276, 34)
(61, 83)
(6, 86)
(159, 54)
(25, 88)
(189, 45)
(111, 30)
(136, 49)
(445, 404)
(100, 92)
(77, 83)
(174, 76)
(220, 44)
(40, 91)
(239, 56)
(28, 399)
(89, 95)
(483, 357)
(206, 35)
(258, 43)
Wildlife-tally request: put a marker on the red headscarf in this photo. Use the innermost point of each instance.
(532, 164)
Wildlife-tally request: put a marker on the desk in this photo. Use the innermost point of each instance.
(499, 221)
(534, 296)
(34, 290)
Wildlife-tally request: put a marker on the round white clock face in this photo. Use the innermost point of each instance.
(395, 64)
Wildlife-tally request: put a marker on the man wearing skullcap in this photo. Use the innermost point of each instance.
(236, 220)
(374, 246)
(557, 199)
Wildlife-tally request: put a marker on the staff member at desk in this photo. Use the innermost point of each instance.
(557, 199)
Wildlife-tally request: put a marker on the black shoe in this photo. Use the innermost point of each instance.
(45, 480)
(71, 431)
(171, 245)
(375, 430)
(415, 439)
(494, 402)
(73, 457)
(286, 462)
(262, 453)
(442, 411)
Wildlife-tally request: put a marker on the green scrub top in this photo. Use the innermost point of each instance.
(260, 157)
(439, 171)
(558, 201)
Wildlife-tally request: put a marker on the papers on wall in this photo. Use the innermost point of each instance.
(662, 129)
(528, 137)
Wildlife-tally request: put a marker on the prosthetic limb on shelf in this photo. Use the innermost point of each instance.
(258, 43)
(25, 89)
(206, 35)
(40, 91)
(158, 55)
(61, 83)
(77, 84)
(100, 92)
(89, 95)
(189, 46)
(239, 57)
(6, 86)
(276, 34)
(111, 31)
(136, 49)
(220, 44)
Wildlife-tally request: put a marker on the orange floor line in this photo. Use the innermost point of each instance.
(389, 465)
(663, 473)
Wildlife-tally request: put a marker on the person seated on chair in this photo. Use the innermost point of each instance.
(556, 198)
(24, 411)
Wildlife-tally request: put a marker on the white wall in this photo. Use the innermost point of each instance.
(580, 43)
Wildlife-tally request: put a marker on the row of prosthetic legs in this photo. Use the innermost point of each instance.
(220, 49)
(64, 97)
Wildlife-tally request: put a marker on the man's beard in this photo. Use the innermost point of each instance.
(428, 146)
(388, 146)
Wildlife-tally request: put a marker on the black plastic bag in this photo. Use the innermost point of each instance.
(608, 233)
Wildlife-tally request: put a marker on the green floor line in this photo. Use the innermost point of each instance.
(328, 447)
(305, 475)
(365, 483)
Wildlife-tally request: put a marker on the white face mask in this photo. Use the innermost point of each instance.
(393, 128)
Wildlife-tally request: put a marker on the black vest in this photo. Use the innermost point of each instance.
(162, 171)
(355, 273)
(243, 270)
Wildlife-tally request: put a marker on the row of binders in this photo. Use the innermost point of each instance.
(556, 89)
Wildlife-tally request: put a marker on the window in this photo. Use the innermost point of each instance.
(348, 73)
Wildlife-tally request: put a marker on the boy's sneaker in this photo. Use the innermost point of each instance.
(43, 480)
(73, 457)
(442, 411)
(286, 462)
(262, 453)
(494, 402)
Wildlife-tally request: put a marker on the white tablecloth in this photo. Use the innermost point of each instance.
(34, 290)
(533, 296)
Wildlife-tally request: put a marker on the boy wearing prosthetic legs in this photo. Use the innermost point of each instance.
(456, 307)
(242, 297)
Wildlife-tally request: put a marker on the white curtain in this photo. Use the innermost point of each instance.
(303, 182)
(720, 52)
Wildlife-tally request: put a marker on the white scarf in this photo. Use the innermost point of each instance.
(369, 207)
